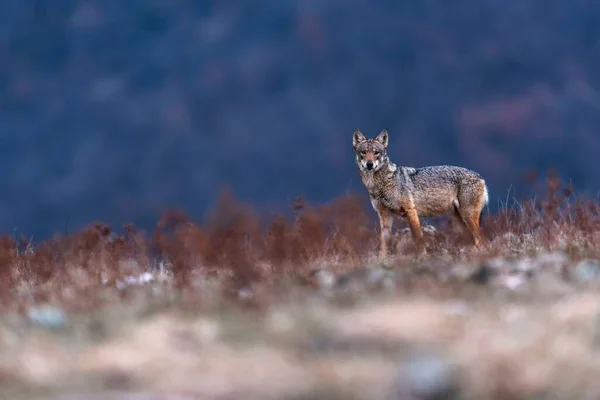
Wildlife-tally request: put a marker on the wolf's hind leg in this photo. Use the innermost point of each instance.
(415, 228)
(470, 208)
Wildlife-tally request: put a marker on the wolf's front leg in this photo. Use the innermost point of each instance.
(386, 220)
(415, 228)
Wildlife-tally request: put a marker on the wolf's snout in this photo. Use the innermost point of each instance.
(369, 164)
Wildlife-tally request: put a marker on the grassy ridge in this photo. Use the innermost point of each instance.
(296, 307)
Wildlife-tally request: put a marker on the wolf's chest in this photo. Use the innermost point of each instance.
(387, 191)
(383, 195)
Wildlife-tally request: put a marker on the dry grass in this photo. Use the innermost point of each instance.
(294, 306)
(236, 248)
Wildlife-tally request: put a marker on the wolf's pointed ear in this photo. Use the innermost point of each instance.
(358, 137)
(383, 138)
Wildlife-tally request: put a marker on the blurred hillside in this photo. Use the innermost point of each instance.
(115, 110)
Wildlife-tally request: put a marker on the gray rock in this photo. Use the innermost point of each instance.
(586, 271)
(245, 293)
(513, 281)
(376, 275)
(424, 376)
(429, 229)
(48, 317)
(324, 279)
(385, 279)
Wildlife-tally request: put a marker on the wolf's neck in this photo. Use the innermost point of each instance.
(387, 169)
(385, 174)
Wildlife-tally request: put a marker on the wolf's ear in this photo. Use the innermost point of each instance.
(358, 137)
(383, 138)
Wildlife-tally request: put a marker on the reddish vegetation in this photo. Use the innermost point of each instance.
(241, 247)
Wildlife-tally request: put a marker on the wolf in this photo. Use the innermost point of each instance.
(412, 193)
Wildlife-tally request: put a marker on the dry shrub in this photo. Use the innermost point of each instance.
(557, 216)
(8, 257)
(236, 239)
(240, 247)
(352, 234)
(236, 243)
(173, 240)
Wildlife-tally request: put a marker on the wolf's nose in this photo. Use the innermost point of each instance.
(369, 164)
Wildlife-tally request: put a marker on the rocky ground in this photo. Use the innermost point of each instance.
(304, 311)
(503, 327)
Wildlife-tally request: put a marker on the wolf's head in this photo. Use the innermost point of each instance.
(371, 154)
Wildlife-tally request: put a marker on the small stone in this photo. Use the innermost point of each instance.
(429, 229)
(47, 316)
(586, 271)
(424, 376)
(376, 275)
(384, 279)
(127, 281)
(245, 294)
(323, 279)
(511, 281)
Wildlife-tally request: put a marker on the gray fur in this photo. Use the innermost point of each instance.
(417, 192)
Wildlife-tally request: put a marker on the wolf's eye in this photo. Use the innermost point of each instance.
(376, 154)
(363, 152)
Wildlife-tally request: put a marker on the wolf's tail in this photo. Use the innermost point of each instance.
(486, 201)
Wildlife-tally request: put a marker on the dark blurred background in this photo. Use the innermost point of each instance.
(115, 110)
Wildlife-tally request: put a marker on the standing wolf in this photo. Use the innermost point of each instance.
(417, 192)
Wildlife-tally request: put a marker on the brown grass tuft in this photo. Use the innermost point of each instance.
(238, 247)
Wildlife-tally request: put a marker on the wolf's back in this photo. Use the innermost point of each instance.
(437, 189)
(449, 173)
